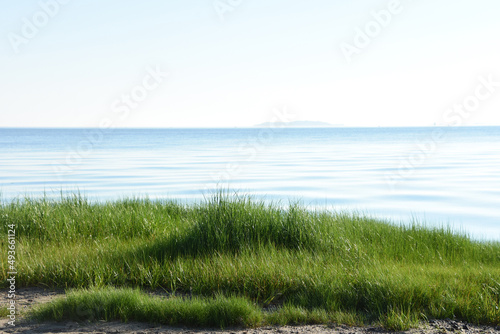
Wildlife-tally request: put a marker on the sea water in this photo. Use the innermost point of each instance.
(436, 175)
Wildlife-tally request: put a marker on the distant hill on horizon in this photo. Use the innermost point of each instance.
(299, 124)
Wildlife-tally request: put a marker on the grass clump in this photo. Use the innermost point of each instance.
(226, 224)
(74, 216)
(399, 320)
(133, 305)
(4, 312)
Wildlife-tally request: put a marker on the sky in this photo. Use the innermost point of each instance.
(234, 63)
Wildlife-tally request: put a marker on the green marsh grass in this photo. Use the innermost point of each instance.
(305, 266)
(133, 305)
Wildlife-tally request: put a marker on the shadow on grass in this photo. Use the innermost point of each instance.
(220, 226)
(233, 224)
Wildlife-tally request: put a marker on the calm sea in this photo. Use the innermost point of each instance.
(440, 176)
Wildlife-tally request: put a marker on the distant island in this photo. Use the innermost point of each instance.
(299, 124)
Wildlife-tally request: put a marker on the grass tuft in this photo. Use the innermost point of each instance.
(227, 224)
(399, 320)
(133, 305)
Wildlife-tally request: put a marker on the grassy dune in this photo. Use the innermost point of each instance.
(234, 261)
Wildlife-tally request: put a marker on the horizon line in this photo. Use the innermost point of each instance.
(248, 127)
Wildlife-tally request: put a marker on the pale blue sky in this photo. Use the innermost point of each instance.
(233, 72)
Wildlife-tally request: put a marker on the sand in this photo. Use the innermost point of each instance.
(27, 297)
